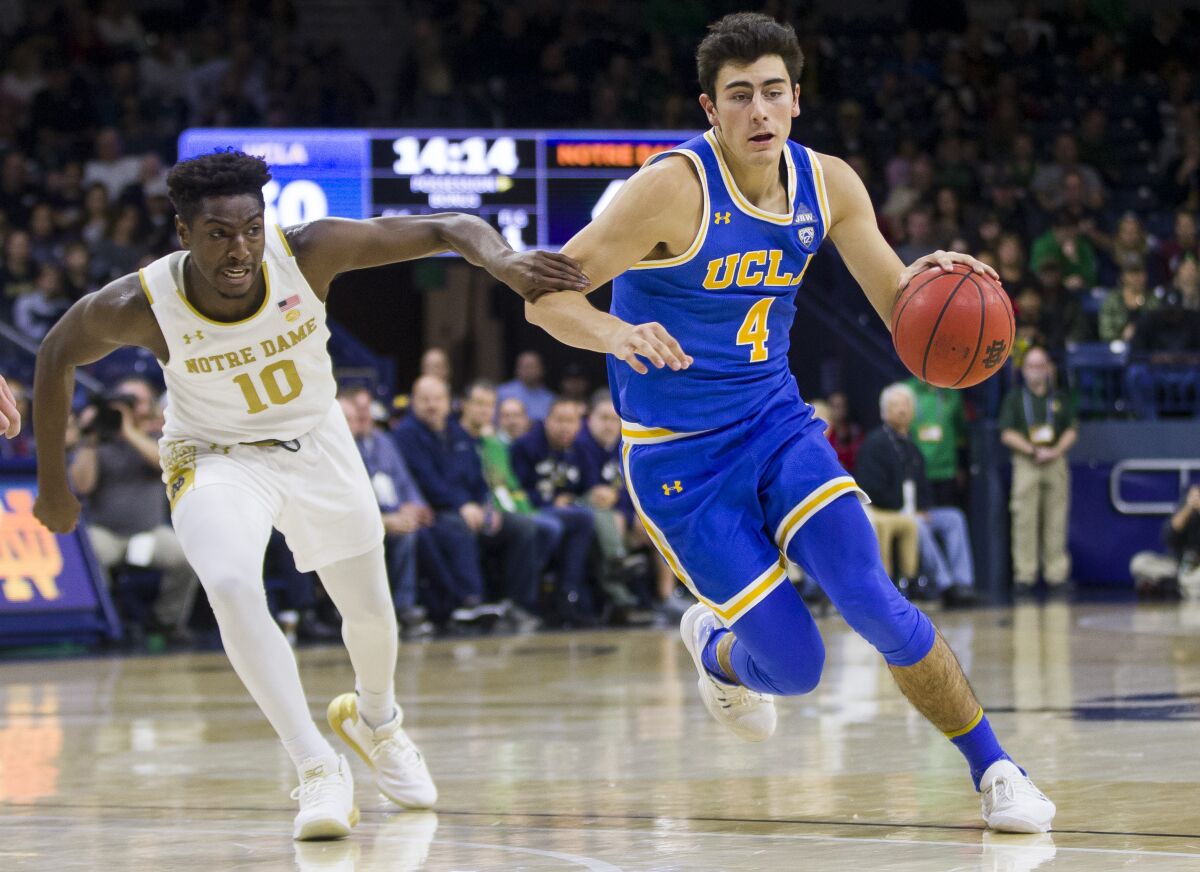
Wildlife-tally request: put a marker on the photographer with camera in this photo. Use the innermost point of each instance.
(116, 472)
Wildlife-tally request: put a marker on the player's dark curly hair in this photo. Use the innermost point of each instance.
(743, 38)
(220, 174)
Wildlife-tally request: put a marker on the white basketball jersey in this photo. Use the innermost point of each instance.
(268, 376)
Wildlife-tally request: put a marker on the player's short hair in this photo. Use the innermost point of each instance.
(743, 38)
(219, 174)
(898, 389)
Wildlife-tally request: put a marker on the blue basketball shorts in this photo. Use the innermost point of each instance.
(724, 506)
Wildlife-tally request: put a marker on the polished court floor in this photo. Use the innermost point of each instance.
(592, 751)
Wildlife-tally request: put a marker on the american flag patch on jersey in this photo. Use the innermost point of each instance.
(290, 303)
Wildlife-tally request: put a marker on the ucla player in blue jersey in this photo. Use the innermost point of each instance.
(727, 466)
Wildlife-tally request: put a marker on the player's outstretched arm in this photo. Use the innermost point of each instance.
(334, 245)
(116, 315)
(656, 213)
(866, 253)
(10, 416)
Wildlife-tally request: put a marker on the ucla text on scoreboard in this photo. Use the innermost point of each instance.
(537, 187)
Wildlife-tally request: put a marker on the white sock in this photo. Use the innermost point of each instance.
(376, 709)
(305, 755)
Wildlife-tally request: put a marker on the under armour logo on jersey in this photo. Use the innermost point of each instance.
(721, 217)
(668, 488)
(995, 354)
(188, 337)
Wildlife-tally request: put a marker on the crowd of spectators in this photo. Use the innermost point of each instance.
(1061, 146)
(92, 100)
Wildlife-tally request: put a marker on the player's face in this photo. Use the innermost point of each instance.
(753, 108)
(227, 239)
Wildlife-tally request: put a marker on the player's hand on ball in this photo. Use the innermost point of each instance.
(943, 260)
(533, 273)
(630, 342)
(58, 512)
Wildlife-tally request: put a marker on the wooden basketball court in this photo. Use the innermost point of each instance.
(592, 751)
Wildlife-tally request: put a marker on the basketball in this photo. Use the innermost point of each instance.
(953, 329)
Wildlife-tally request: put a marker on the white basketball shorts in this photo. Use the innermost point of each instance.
(318, 494)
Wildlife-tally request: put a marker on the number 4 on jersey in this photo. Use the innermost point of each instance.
(754, 332)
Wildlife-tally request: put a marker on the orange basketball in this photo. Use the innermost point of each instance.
(953, 329)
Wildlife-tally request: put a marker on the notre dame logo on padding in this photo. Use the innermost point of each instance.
(995, 354)
(30, 558)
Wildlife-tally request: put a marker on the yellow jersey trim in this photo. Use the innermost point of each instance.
(145, 287)
(728, 611)
(701, 234)
(804, 269)
(974, 723)
(809, 506)
(639, 435)
(739, 199)
(248, 318)
(818, 173)
(283, 239)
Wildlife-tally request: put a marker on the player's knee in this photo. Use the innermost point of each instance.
(800, 672)
(229, 591)
(786, 663)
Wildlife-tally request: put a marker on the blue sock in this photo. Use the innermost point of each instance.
(709, 656)
(978, 744)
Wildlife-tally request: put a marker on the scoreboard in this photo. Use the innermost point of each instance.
(536, 187)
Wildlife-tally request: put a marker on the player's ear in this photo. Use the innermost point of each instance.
(796, 100)
(183, 232)
(710, 110)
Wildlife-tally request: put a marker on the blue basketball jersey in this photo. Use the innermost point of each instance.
(729, 299)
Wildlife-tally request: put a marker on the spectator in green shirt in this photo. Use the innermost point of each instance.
(939, 430)
(1065, 243)
(1123, 306)
(561, 540)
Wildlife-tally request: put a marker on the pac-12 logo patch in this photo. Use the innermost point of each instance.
(807, 235)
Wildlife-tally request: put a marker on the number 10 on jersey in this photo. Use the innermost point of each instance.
(754, 332)
(278, 395)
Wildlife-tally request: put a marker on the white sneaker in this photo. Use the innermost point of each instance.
(327, 809)
(748, 713)
(400, 771)
(1011, 802)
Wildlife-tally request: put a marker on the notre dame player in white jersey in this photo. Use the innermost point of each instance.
(254, 438)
